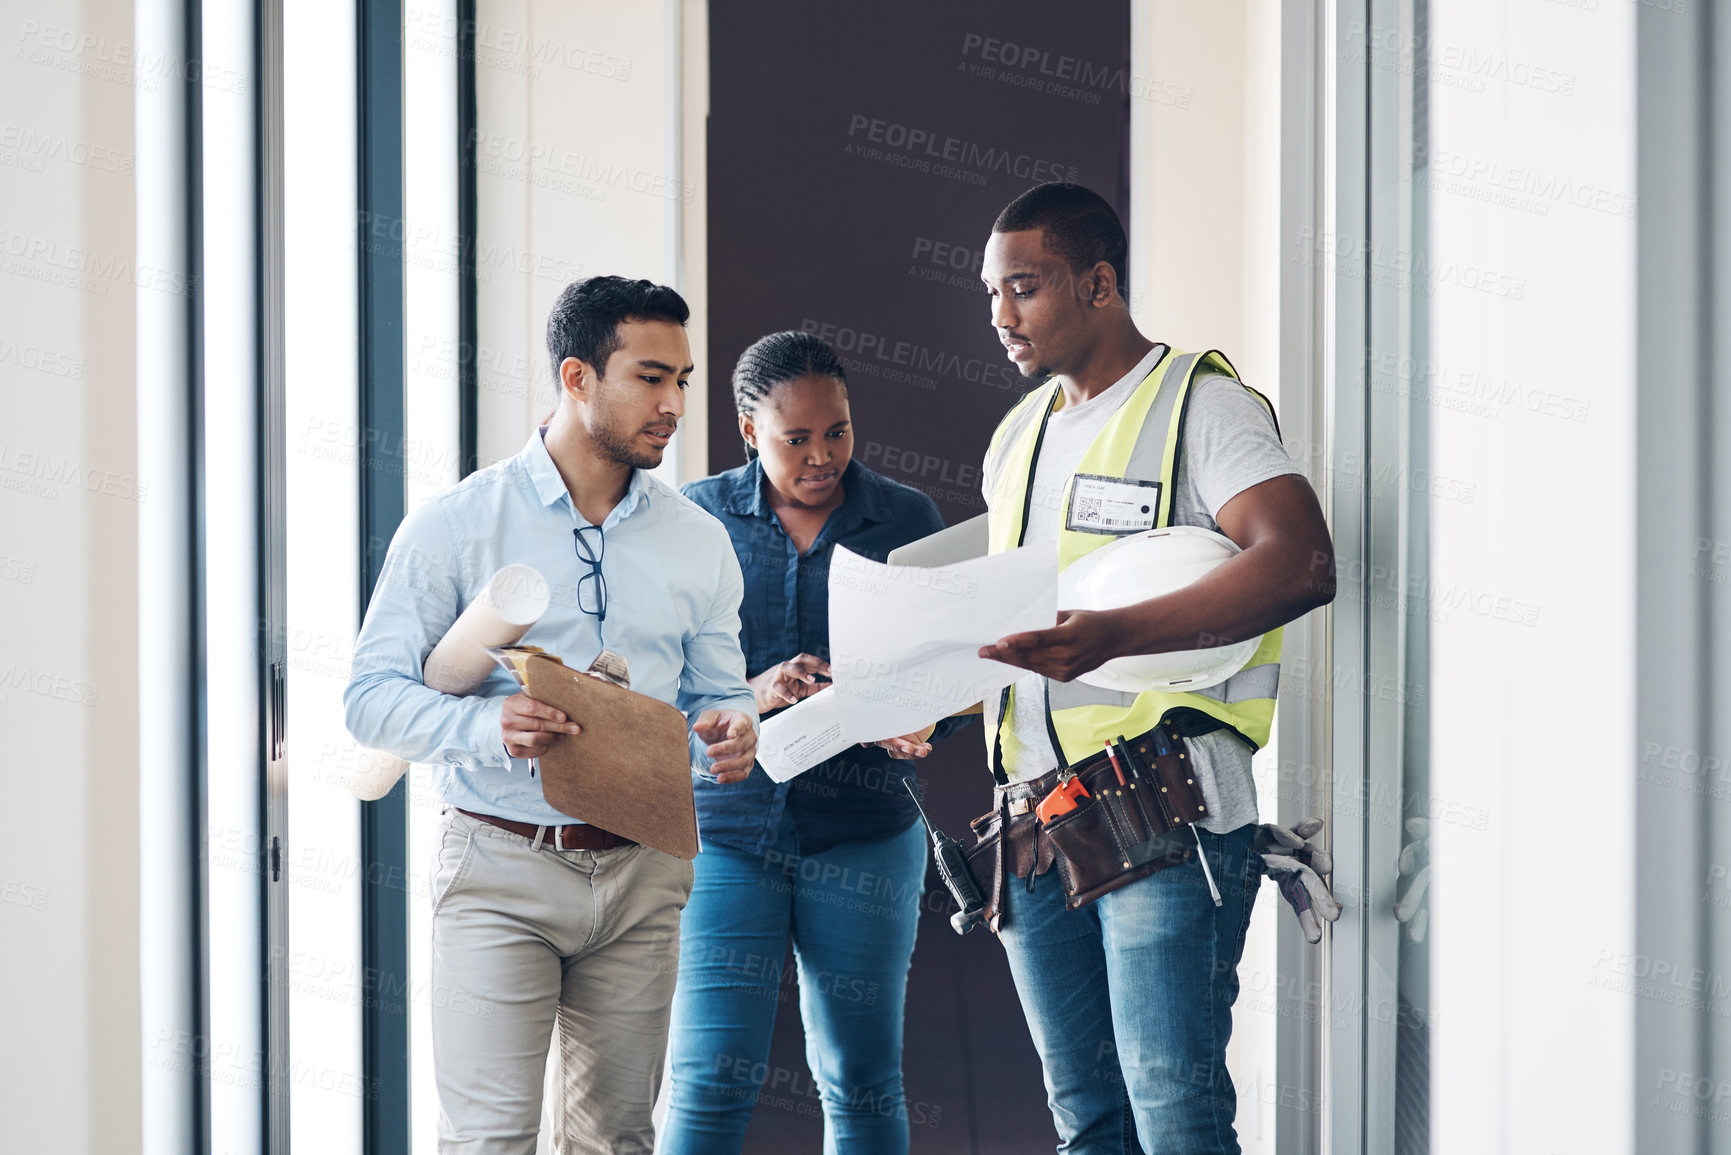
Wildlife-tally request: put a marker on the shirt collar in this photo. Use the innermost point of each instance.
(743, 491)
(866, 500)
(867, 495)
(1123, 385)
(550, 487)
(1145, 366)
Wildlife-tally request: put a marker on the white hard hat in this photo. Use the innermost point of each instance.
(1147, 565)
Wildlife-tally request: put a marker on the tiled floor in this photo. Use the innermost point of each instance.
(969, 1068)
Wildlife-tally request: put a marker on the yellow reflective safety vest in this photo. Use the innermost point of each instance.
(1140, 445)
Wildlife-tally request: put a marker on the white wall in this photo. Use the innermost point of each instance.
(69, 1072)
(1205, 273)
(583, 171)
(1533, 192)
(1204, 245)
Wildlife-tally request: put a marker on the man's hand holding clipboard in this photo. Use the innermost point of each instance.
(613, 757)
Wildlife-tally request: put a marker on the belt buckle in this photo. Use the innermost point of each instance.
(1020, 806)
(559, 839)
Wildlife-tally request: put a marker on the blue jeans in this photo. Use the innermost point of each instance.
(851, 912)
(1130, 1000)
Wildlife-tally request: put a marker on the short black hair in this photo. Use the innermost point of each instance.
(584, 321)
(1079, 225)
(777, 359)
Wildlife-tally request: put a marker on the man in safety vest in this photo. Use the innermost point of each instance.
(1129, 997)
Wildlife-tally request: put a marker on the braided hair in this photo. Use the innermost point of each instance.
(775, 360)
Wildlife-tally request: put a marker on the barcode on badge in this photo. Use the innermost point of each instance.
(1088, 509)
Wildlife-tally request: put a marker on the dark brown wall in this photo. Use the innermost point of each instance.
(827, 211)
(817, 220)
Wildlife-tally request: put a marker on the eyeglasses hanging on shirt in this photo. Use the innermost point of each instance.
(592, 586)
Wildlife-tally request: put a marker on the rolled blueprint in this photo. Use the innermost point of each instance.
(512, 600)
(374, 773)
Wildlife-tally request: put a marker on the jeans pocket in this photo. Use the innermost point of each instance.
(1252, 887)
(649, 871)
(451, 862)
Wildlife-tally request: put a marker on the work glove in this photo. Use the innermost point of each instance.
(1294, 858)
(1412, 895)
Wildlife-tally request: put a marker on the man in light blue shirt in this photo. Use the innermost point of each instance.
(539, 918)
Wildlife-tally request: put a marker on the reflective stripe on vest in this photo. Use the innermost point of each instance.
(1141, 441)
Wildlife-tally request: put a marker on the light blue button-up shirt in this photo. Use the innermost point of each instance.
(673, 591)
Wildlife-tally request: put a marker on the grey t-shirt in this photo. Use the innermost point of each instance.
(1229, 446)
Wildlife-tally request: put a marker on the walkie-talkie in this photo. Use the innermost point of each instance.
(953, 868)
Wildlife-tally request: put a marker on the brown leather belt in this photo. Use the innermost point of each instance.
(575, 836)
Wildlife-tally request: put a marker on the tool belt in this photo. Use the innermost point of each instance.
(1115, 835)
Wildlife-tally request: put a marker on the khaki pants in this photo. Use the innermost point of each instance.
(525, 940)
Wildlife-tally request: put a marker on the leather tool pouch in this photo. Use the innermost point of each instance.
(1008, 841)
(986, 861)
(1115, 836)
(1120, 833)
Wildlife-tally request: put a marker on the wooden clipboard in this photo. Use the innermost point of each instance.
(629, 771)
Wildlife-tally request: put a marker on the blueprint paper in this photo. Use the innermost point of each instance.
(904, 640)
(801, 736)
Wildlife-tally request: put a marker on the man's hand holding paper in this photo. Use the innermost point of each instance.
(1082, 640)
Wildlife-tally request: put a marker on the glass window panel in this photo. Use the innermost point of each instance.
(1398, 809)
(327, 1086)
(431, 453)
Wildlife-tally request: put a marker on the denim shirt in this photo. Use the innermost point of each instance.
(858, 794)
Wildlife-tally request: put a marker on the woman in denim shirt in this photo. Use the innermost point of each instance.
(834, 859)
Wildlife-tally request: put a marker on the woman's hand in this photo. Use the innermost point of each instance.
(915, 745)
(787, 682)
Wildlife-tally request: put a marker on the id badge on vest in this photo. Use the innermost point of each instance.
(1114, 505)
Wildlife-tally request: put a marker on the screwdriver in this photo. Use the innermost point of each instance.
(1161, 749)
